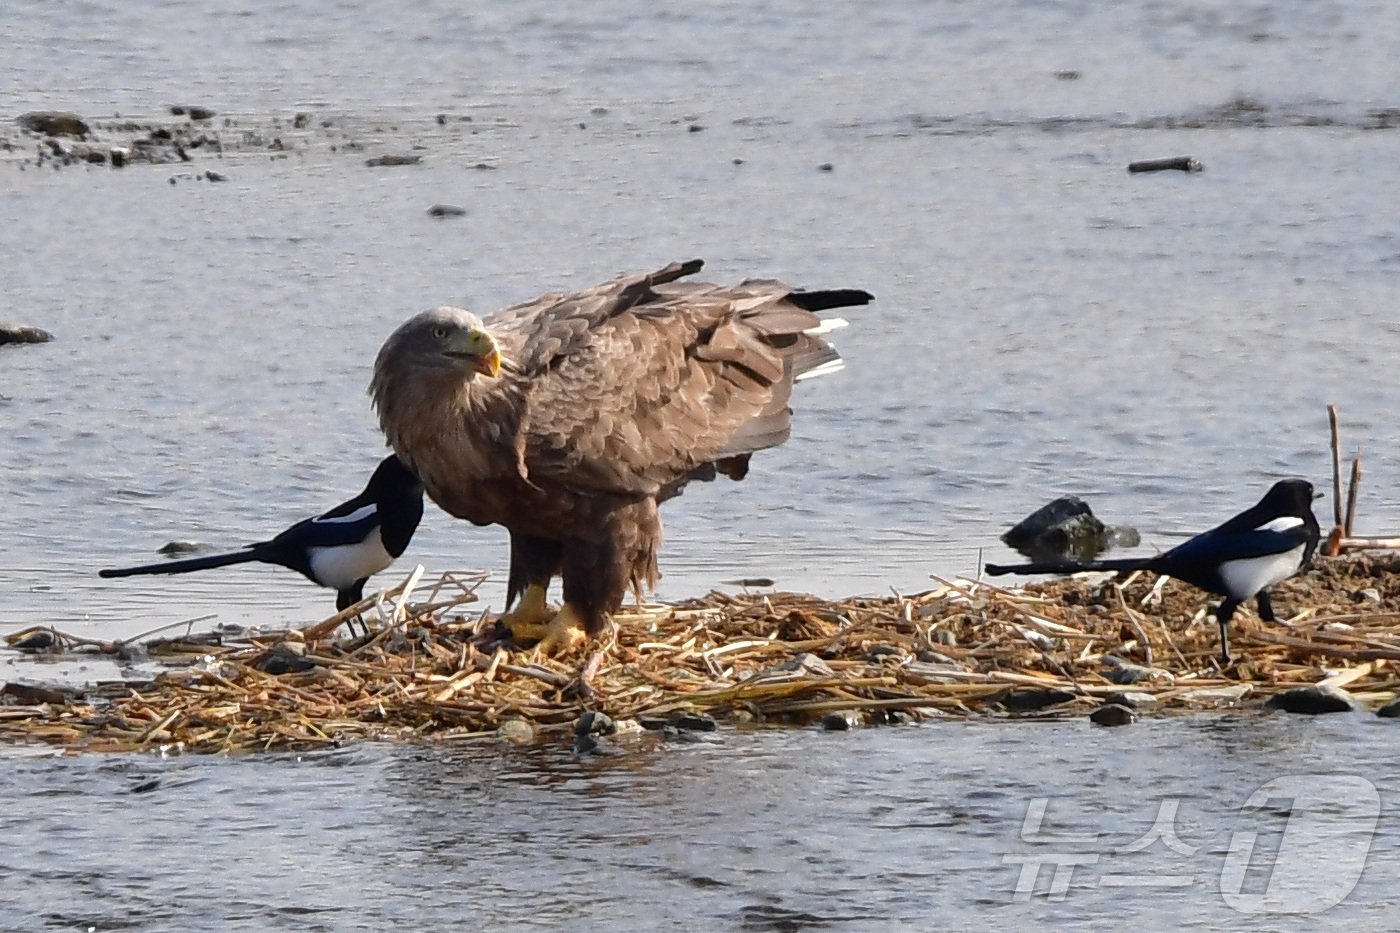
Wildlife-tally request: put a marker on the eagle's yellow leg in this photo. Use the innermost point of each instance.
(529, 620)
(563, 631)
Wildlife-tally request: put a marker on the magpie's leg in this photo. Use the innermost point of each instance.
(1266, 607)
(348, 597)
(1223, 616)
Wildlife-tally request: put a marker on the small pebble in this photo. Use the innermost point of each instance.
(592, 722)
(1176, 163)
(446, 210)
(1034, 698)
(1131, 699)
(841, 721)
(1125, 672)
(1113, 714)
(379, 161)
(695, 722)
(516, 731)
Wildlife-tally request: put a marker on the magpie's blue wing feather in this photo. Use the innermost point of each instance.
(1218, 546)
(336, 528)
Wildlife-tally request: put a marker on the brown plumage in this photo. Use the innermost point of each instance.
(568, 419)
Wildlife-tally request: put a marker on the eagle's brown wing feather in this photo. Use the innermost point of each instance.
(633, 385)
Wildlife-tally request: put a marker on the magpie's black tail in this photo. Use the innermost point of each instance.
(188, 565)
(1124, 563)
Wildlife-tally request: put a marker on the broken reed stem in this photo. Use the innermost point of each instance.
(1355, 482)
(1336, 465)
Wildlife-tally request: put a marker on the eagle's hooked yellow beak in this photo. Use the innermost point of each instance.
(479, 348)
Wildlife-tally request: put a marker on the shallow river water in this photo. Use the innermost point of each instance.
(1162, 345)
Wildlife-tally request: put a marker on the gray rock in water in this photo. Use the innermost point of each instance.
(1113, 714)
(1065, 528)
(23, 333)
(54, 123)
(173, 548)
(1312, 700)
(446, 210)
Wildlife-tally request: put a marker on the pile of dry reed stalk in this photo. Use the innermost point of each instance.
(431, 668)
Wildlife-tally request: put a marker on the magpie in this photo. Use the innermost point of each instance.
(340, 549)
(1239, 560)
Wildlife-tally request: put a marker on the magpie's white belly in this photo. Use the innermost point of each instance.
(339, 567)
(1244, 578)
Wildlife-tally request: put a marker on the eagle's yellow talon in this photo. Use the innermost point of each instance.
(563, 632)
(529, 620)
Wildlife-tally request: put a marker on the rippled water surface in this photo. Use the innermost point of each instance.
(1163, 345)
(906, 828)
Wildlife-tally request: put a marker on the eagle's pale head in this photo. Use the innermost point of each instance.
(444, 338)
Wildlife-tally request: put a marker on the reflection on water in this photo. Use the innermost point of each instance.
(766, 830)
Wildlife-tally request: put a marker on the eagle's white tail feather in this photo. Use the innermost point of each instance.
(830, 366)
(827, 326)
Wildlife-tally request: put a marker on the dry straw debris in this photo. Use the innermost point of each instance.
(432, 667)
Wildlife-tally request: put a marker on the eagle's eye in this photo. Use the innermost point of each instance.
(440, 332)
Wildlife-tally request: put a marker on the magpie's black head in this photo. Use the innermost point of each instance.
(1289, 497)
(392, 479)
